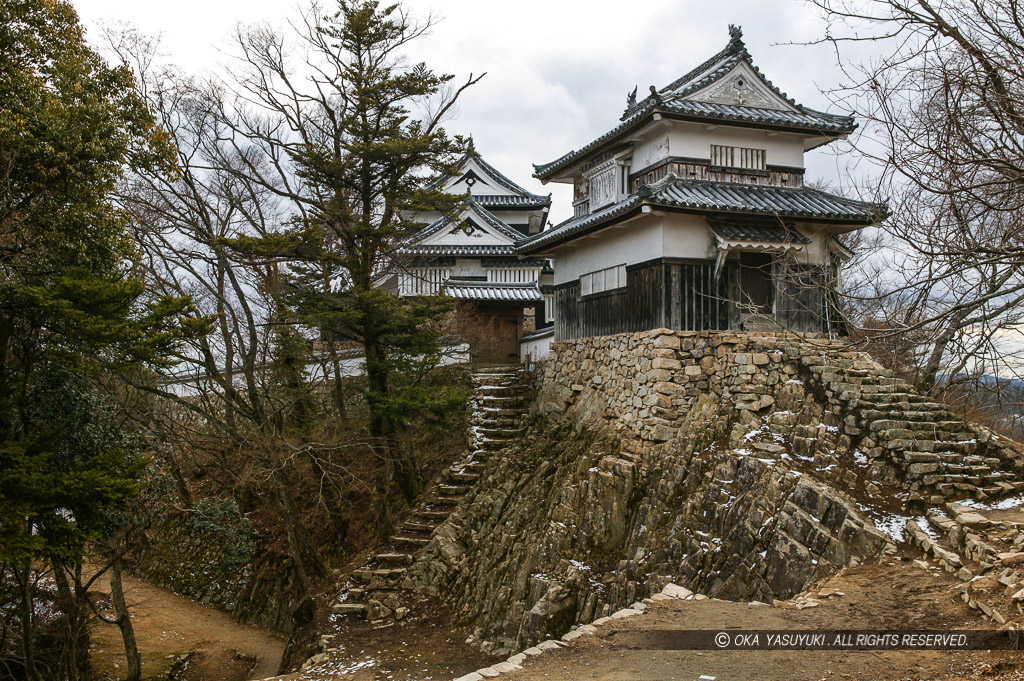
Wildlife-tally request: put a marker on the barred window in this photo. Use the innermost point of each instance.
(738, 157)
(603, 280)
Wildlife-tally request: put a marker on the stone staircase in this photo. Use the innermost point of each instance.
(984, 549)
(497, 408)
(909, 439)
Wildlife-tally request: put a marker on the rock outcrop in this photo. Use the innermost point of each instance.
(743, 466)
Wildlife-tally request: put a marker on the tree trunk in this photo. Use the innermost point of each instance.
(71, 599)
(930, 371)
(124, 623)
(300, 544)
(339, 389)
(23, 573)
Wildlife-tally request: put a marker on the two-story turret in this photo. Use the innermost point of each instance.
(693, 214)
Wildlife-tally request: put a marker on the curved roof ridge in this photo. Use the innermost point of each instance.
(493, 173)
(490, 218)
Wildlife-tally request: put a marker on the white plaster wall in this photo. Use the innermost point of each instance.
(635, 242)
(535, 349)
(686, 236)
(651, 150)
(694, 141)
(468, 267)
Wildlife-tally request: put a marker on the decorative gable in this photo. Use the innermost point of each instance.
(475, 179)
(475, 227)
(741, 86)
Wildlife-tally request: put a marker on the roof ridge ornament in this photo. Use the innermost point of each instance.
(736, 37)
(631, 98)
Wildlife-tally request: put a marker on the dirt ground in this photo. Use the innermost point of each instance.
(897, 596)
(426, 646)
(193, 641)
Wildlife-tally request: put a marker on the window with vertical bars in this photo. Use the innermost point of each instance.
(738, 157)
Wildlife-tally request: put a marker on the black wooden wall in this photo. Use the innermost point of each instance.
(683, 295)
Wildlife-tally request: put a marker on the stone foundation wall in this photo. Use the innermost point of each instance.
(743, 466)
(641, 386)
(701, 459)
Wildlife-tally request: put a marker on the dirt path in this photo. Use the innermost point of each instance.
(894, 597)
(174, 632)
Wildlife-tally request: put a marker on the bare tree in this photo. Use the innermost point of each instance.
(944, 126)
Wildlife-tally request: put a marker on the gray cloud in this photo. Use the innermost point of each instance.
(558, 72)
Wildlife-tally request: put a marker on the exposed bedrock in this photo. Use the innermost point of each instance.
(742, 480)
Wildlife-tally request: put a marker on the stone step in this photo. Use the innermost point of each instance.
(440, 503)
(432, 514)
(503, 423)
(502, 380)
(918, 426)
(908, 442)
(838, 387)
(473, 465)
(492, 391)
(368, 574)
(461, 477)
(453, 490)
(410, 526)
(495, 444)
(874, 400)
(410, 541)
(506, 400)
(896, 413)
(500, 412)
(348, 609)
(399, 558)
(500, 432)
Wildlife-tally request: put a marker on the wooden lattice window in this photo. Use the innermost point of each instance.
(738, 157)
(603, 280)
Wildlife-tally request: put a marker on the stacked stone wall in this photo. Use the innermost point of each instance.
(696, 458)
(744, 466)
(641, 386)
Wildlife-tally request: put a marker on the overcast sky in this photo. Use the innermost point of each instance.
(558, 71)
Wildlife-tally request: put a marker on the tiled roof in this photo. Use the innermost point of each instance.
(498, 178)
(514, 262)
(482, 290)
(671, 101)
(715, 69)
(473, 251)
(796, 202)
(808, 119)
(539, 333)
(509, 184)
(577, 224)
(441, 223)
(770, 231)
(494, 201)
(718, 197)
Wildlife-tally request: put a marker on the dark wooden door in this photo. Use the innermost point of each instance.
(756, 289)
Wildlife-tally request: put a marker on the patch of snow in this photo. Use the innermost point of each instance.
(894, 525)
(1011, 502)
